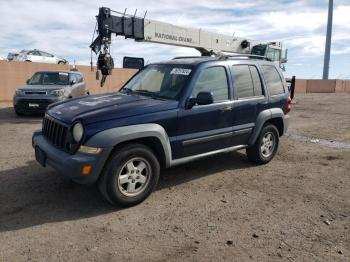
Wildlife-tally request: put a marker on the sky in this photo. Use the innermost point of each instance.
(65, 28)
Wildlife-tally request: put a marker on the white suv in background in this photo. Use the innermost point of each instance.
(40, 57)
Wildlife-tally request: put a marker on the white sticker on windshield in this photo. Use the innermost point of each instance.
(180, 71)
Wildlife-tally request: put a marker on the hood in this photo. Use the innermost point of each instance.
(42, 87)
(92, 109)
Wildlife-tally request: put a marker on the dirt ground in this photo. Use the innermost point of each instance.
(296, 208)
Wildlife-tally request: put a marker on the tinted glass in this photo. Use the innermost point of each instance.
(45, 54)
(165, 81)
(259, 50)
(34, 53)
(49, 78)
(76, 77)
(212, 80)
(273, 80)
(242, 81)
(271, 54)
(277, 55)
(256, 81)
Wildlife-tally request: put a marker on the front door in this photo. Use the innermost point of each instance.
(205, 128)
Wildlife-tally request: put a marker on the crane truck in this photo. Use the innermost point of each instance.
(152, 31)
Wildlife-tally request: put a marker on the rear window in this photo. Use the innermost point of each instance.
(273, 80)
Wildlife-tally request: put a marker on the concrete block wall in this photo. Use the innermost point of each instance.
(15, 74)
(321, 86)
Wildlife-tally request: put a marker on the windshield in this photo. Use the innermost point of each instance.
(49, 78)
(259, 50)
(163, 81)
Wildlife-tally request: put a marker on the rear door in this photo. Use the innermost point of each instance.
(74, 85)
(250, 100)
(35, 56)
(205, 128)
(48, 58)
(80, 85)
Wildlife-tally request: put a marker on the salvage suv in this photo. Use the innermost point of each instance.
(167, 114)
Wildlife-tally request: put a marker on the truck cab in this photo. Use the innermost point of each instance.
(169, 113)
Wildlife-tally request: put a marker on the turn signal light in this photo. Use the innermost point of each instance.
(86, 170)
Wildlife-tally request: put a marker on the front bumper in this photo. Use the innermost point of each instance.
(33, 104)
(71, 165)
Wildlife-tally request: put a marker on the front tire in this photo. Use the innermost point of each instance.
(130, 175)
(265, 146)
(18, 113)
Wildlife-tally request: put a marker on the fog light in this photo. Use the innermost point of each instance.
(86, 169)
(89, 150)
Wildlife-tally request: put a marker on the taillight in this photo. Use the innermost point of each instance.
(288, 105)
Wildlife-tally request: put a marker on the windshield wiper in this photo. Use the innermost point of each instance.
(127, 90)
(144, 92)
(150, 94)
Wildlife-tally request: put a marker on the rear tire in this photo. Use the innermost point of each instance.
(265, 146)
(130, 175)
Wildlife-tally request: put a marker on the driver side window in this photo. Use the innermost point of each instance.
(214, 80)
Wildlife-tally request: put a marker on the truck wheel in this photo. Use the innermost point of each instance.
(265, 146)
(130, 175)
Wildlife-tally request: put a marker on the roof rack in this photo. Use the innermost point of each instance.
(222, 57)
(186, 57)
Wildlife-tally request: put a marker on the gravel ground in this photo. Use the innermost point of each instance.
(296, 208)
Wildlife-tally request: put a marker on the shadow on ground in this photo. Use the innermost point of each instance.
(8, 115)
(32, 195)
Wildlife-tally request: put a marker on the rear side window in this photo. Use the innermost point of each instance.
(34, 53)
(246, 81)
(74, 77)
(273, 80)
(256, 81)
(212, 80)
(79, 78)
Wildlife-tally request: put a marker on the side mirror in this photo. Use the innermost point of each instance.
(28, 80)
(73, 82)
(203, 98)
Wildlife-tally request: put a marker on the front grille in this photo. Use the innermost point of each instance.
(28, 104)
(56, 133)
(35, 92)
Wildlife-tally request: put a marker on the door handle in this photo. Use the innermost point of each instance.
(262, 103)
(225, 109)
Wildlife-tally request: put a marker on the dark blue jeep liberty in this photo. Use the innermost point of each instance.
(169, 113)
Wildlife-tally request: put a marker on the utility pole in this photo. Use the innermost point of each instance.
(327, 51)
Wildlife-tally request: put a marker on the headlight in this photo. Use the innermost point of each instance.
(59, 92)
(19, 92)
(78, 132)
